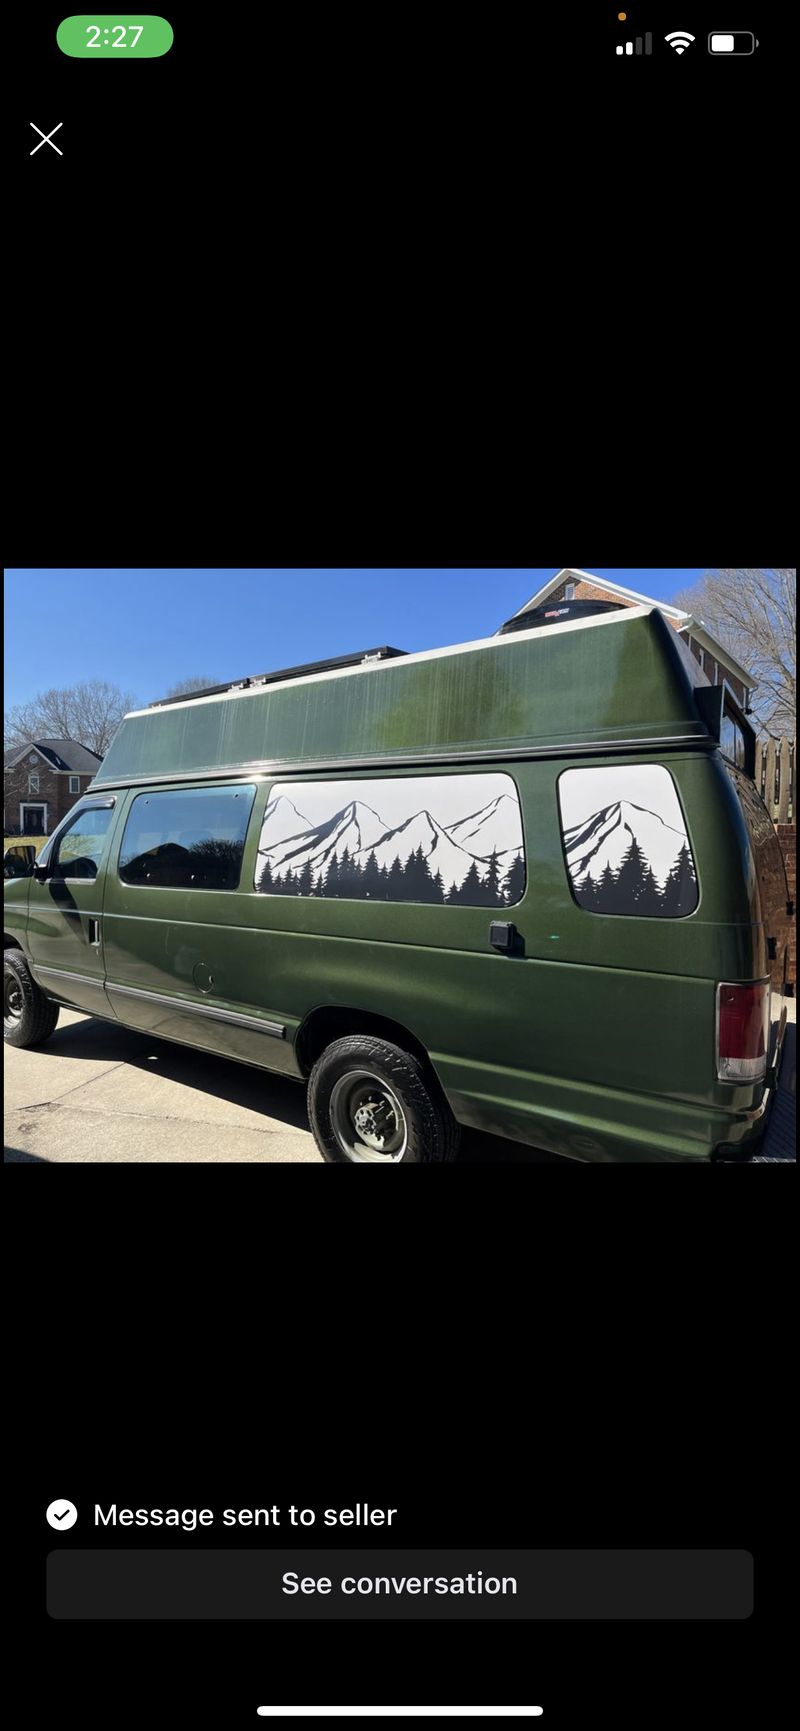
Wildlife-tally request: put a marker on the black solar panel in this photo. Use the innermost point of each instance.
(385, 653)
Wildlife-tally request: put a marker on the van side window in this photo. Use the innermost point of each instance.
(79, 848)
(731, 740)
(626, 846)
(190, 839)
(447, 839)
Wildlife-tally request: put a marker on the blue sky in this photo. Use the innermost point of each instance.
(145, 630)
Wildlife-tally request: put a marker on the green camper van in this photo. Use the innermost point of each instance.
(525, 884)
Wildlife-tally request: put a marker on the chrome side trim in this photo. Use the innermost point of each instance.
(76, 913)
(277, 1029)
(64, 974)
(417, 760)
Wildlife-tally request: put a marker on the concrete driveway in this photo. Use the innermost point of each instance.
(96, 1092)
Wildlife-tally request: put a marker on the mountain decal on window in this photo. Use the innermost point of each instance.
(461, 844)
(627, 857)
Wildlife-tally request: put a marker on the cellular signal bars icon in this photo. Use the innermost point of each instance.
(628, 46)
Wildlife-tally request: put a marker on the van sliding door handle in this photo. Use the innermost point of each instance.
(94, 931)
(505, 938)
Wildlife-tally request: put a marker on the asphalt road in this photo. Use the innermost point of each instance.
(96, 1092)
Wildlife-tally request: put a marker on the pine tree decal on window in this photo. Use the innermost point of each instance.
(396, 876)
(650, 901)
(625, 841)
(514, 886)
(371, 879)
(304, 882)
(470, 891)
(629, 882)
(589, 896)
(438, 889)
(634, 888)
(605, 892)
(332, 878)
(680, 889)
(491, 884)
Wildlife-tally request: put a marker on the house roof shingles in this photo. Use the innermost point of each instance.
(61, 753)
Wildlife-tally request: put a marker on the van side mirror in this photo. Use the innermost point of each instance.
(18, 861)
(41, 872)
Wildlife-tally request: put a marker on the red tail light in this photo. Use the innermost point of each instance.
(742, 1032)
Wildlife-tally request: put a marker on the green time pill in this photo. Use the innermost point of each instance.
(109, 36)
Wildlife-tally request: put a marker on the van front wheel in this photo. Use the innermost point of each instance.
(28, 1016)
(370, 1103)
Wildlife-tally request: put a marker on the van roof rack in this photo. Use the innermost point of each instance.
(385, 653)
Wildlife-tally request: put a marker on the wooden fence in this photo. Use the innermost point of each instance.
(776, 775)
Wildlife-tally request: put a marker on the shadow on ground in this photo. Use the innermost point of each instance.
(254, 1090)
(188, 1066)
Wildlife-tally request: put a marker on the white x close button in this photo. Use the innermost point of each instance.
(47, 138)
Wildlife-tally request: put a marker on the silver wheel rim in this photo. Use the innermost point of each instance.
(13, 1001)
(367, 1119)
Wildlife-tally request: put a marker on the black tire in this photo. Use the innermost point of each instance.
(369, 1076)
(28, 1016)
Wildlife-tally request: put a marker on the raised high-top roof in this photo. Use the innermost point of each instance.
(613, 680)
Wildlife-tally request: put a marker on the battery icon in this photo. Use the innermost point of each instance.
(732, 42)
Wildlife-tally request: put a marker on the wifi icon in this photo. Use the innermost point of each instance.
(679, 40)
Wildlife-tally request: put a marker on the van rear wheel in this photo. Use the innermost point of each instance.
(370, 1103)
(28, 1016)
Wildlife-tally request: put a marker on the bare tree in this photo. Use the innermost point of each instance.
(753, 613)
(89, 713)
(195, 682)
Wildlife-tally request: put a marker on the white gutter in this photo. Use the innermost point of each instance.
(696, 629)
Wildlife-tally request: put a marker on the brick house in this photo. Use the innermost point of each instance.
(717, 663)
(41, 782)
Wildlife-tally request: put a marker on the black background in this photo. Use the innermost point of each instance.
(493, 1364)
(384, 288)
(367, 273)
(363, 125)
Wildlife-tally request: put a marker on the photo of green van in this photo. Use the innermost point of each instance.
(524, 884)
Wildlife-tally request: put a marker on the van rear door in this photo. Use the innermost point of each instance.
(729, 724)
(773, 889)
